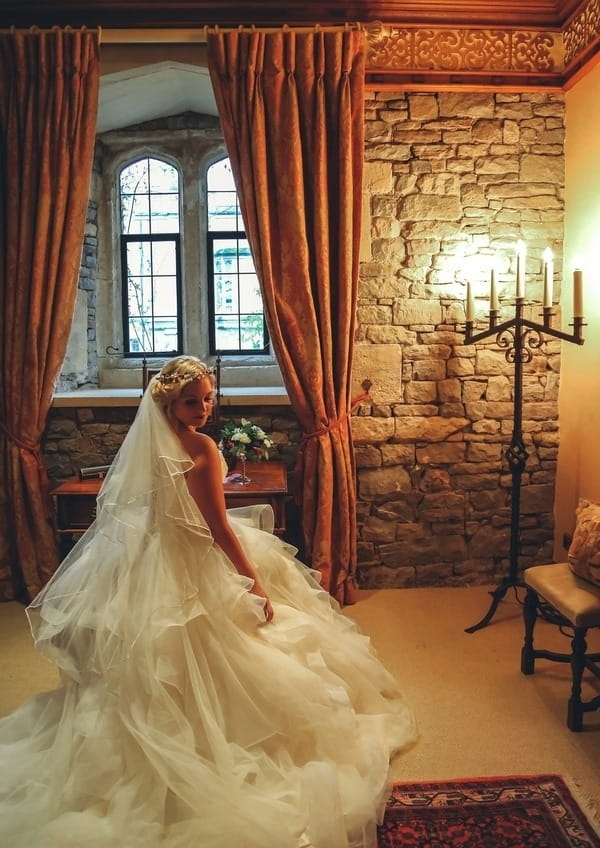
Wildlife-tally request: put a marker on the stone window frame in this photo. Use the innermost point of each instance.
(192, 152)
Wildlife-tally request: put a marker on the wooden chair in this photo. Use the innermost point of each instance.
(147, 374)
(568, 601)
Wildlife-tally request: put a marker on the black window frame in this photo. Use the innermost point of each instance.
(211, 237)
(149, 238)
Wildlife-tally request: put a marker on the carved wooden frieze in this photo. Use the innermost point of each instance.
(582, 31)
(490, 51)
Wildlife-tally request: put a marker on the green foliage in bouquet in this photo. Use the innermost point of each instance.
(247, 441)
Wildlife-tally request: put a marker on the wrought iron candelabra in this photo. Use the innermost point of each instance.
(518, 337)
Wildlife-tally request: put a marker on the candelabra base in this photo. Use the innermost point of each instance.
(497, 595)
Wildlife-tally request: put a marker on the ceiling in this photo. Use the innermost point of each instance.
(188, 13)
(151, 91)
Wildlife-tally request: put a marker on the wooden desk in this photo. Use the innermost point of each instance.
(75, 499)
(268, 484)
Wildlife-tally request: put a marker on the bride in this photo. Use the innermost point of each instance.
(213, 695)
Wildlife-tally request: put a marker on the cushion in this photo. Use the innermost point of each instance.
(584, 551)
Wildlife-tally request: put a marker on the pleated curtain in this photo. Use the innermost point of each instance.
(291, 105)
(48, 104)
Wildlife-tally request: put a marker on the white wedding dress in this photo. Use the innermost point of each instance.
(185, 721)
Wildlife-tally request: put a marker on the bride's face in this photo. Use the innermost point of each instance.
(193, 406)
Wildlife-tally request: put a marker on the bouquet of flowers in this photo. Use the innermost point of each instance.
(246, 442)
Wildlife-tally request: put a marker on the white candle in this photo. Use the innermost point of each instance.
(577, 293)
(494, 303)
(548, 277)
(470, 308)
(520, 269)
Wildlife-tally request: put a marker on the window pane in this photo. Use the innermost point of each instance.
(140, 335)
(165, 296)
(250, 296)
(219, 176)
(164, 258)
(223, 211)
(227, 332)
(252, 332)
(225, 255)
(246, 262)
(225, 294)
(139, 296)
(134, 178)
(164, 213)
(139, 258)
(165, 334)
(138, 220)
(126, 212)
(163, 177)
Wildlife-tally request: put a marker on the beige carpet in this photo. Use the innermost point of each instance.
(477, 714)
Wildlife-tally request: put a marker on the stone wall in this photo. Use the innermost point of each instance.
(450, 180)
(77, 437)
(80, 366)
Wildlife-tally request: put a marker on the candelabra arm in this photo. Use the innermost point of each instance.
(491, 331)
(576, 336)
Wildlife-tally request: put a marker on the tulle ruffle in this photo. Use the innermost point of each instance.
(185, 721)
(209, 728)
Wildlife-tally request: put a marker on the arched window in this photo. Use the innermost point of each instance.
(150, 257)
(237, 322)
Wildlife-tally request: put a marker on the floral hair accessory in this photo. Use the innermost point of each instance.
(185, 377)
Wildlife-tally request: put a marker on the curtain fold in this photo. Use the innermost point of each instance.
(291, 106)
(48, 104)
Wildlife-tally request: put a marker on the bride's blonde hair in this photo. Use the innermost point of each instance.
(166, 386)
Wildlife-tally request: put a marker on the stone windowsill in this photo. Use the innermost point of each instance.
(243, 396)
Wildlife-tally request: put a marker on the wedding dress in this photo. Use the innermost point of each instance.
(183, 719)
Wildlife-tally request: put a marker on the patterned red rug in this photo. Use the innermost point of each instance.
(488, 812)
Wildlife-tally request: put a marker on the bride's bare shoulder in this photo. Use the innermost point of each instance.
(200, 446)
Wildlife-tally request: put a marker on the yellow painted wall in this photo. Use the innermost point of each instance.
(578, 472)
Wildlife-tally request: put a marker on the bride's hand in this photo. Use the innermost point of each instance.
(258, 590)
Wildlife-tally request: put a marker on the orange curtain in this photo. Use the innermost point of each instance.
(48, 104)
(291, 106)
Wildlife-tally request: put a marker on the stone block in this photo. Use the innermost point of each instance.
(421, 391)
(378, 178)
(397, 454)
(444, 453)
(434, 429)
(430, 207)
(415, 311)
(383, 482)
(449, 391)
(382, 365)
(536, 499)
(423, 107)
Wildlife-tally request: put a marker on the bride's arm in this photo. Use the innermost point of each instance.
(205, 483)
